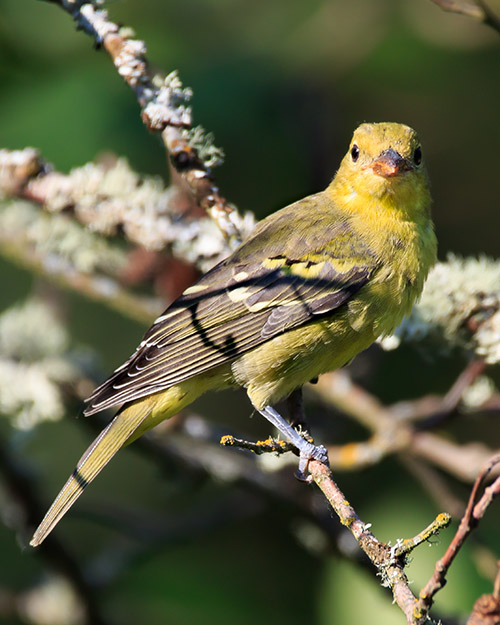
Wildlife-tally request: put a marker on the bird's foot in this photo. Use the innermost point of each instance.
(306, 448)
(307, 453)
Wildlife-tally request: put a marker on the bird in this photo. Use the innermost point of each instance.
(316, 283)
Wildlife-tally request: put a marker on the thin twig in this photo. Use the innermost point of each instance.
(473, 514)
(468, 376)
(270, 445)
(496, 585)
(407, 545)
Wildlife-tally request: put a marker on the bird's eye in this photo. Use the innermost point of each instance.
(417, 156)
(354, 152)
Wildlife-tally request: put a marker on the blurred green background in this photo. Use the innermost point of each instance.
(282, 85)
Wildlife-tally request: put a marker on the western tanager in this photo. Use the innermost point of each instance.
(316, 283)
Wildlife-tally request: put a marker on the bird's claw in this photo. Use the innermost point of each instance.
(312, 452)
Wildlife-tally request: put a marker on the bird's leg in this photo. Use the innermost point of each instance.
(307, 450)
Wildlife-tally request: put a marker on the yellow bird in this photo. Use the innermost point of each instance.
(316, 283)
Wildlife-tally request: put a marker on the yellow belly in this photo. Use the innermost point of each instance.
(274, 369)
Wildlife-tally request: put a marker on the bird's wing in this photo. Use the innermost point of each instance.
(280, 279)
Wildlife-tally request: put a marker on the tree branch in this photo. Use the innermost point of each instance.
(473, 514)
(19, 245)
(112, 199)
(164, 109)
(389, 565)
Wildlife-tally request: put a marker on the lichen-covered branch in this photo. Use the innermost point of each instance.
(164, 109)
(110, 198)
(270, 445)
(55, 247)
(390, 566)
(407, 545)
(390, 561)
(459, 309)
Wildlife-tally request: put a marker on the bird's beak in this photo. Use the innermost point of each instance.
(389, 163)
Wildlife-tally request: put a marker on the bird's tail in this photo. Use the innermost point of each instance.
(100, 452)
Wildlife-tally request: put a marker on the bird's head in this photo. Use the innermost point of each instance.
(385, 161)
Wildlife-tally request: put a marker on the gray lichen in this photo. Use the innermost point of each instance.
(109, 199)
(203, 142)
(169, 103)
(459, 308)
(35, 360)
(58, 236)
(16, 166)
